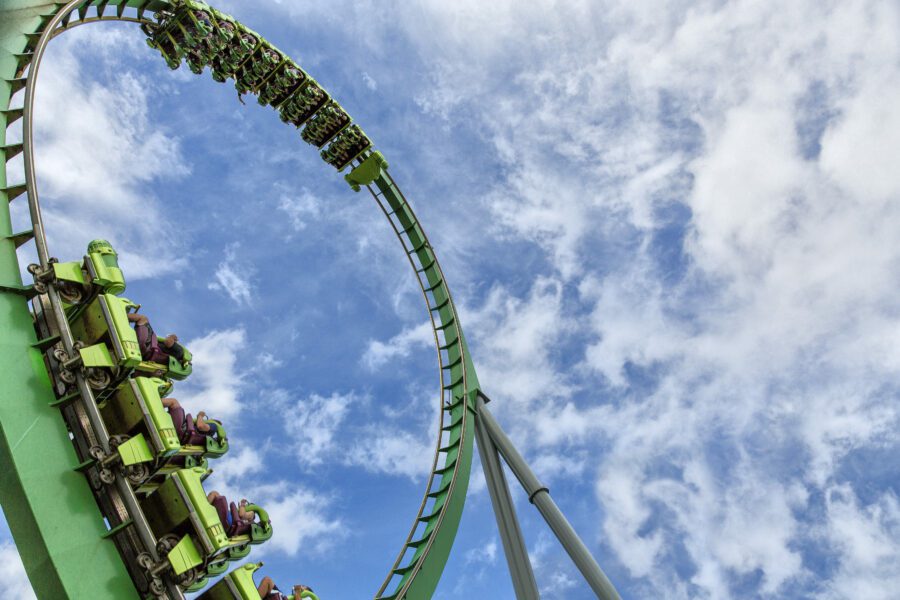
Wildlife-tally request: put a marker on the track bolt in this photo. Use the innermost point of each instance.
(42, 275)
(72, 363)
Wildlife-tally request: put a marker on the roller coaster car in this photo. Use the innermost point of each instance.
(303, 103)
(226, 29)
(327, 123)
(98, 272)
(367, 171)
(255, 71)
(203, 37)
(278, 87)
(147, 440)
(174, 369)
(236, 52)
(158, 39)
(192, 542)
(184, 31)
(204, 52)
(108, 348)
(348, 144)
(107, 345)
(238, 585)
(188, 22)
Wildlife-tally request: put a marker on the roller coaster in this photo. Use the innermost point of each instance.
(101, 480)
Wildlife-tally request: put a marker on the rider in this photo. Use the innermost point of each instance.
(151, 349)
(269, 591)
(235, 519)
(192, 436)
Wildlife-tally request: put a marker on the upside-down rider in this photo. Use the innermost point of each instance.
(151, 348)
(191, 431)
(236, 519)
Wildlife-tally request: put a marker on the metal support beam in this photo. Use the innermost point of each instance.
(505, 512)
(539, 495)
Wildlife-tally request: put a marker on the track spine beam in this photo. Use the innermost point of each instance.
(447, 484)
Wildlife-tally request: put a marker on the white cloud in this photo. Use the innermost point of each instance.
(629, 317)
(317, 423)
(559, 583)
(481, 555)
(266, 360)
(742, 528)
(369, 81)
(97, 152)
(233, 276)
(856, 151)
(866, 537)
(626, 513)
(299, 519)
(726, 388)
(300, 209)
(552, 466)
(216, 383)
(514, 340)
(15, 582)
(392, 452)
(378, 354)
(323, 433)
(239, 463)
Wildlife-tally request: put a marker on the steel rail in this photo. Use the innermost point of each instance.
(463, 382)
(127, 495)
(437, 345)
(73, 24)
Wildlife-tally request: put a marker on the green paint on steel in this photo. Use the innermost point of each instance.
(50, 508)
(421, 572)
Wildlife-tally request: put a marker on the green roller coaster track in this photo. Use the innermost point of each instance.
(81, 537)
(50, 508)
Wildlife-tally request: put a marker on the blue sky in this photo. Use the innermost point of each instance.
(670, 229)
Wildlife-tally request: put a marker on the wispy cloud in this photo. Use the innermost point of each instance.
(486, 554)
(317, 426)
(300, 209)
(302, 516)
(217, 381)
(15, 582)
(370, 83)
(99, 149)
(515, 337)
(393, 452)
(378, 354)
(233, 277)
(867, 537)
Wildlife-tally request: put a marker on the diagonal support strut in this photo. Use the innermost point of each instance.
(539, 495)
(520, 570)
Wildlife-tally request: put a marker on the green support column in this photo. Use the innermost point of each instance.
(50, 508)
